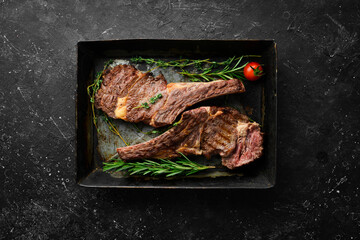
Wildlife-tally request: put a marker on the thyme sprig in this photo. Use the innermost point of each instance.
(113, 128)
(164, 167)
(143, 105)
(92, 90)
(152, 100)
(94, 87)
(160, 130)
(155, 98)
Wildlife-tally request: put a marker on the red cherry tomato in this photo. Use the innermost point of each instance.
(253, 71)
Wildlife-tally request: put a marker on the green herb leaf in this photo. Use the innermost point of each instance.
(143, 105)
(154, 99)
(151, 100)
(91, 91)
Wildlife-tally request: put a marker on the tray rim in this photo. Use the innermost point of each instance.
(80, 181)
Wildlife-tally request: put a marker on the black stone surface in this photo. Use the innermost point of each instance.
(317, 190)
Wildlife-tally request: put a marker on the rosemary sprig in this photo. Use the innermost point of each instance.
(210, 74)
(181, 63)
(208, 69)
(165, 167)
(92, 90)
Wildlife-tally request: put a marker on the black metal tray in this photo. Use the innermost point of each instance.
(259, 102)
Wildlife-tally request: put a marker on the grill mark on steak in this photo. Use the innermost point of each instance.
(183, 95)
(201, 132)
(115, 85)
(124, 88)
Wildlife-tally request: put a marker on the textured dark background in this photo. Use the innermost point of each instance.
(317, 190)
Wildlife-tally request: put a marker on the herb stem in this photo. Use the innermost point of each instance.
(115, 129)
(92, 90)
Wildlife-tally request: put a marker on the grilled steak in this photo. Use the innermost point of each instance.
(205, 131)
(124, 89)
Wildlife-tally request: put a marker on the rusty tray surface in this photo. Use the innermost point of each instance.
(259, 102)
